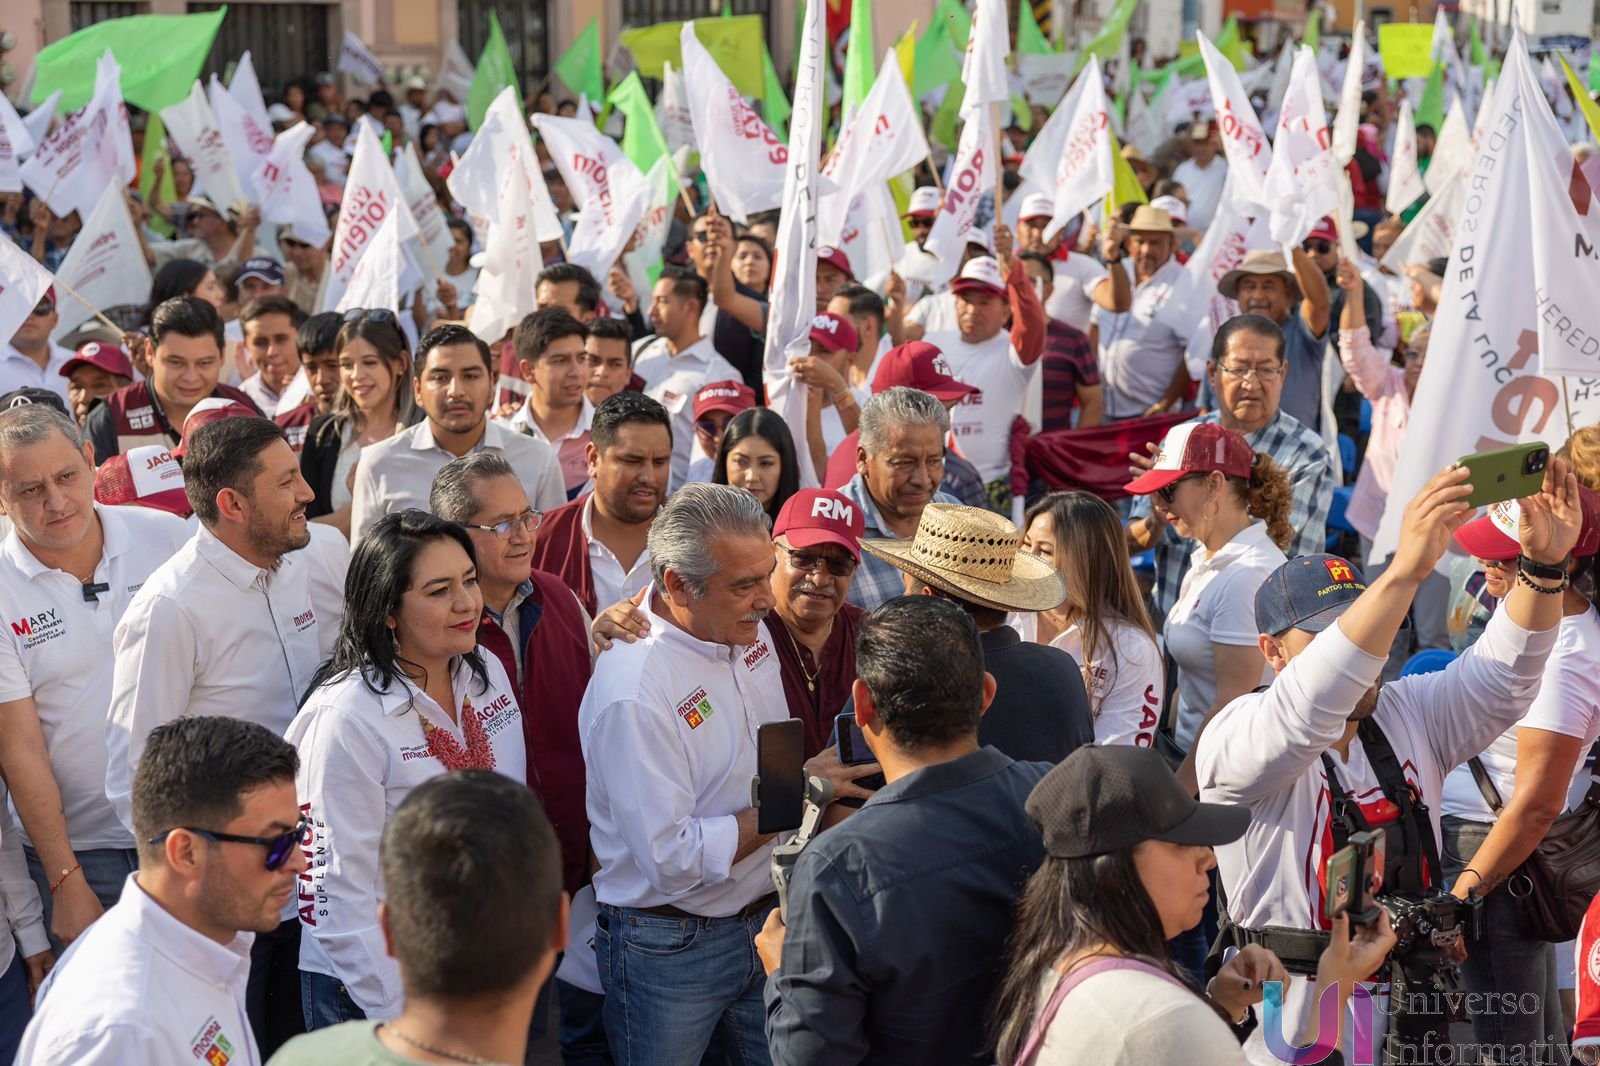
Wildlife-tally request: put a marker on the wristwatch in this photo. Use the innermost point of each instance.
(1544, 571)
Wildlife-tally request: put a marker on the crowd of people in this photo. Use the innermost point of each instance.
(364, 669)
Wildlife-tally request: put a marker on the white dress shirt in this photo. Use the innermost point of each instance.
(209, 633)
(669, 739)
(141, 988)
(398, 473)
(18, 370)
(255, 386)
(54, 651)
(361, 753)
(24, 928)
(672, 381)
(612, 583)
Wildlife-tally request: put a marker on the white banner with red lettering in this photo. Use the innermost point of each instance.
(193, 129)
(672, 110)
(475, 179)
(105, 264)
(983, 68)
(1302, 183)
(248, 137)
(39, 120)
(375, 282)
(1046, 78)
(1243, 140)
(287, 192)
(1083, 173)
(1347, 121)
(1431, 234)
(743, 160)
(371, 194)
(93, 148)
(15, 142)
(433, 232)
(884, 138)
(610, 190)
(505, 287)
(1222, 248)
(357, 60)
(970, 177)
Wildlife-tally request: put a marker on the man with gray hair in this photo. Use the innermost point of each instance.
(668, 726)
(899, 465)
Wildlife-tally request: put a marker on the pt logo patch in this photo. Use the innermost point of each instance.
(695, 709)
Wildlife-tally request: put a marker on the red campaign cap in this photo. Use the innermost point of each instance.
(1493, 536)
(111, 358)
(729, 396)
(836, 257)
(981, 274)
(834, 332)
(209, 410)
(147, 476)
(1195, 448)
(919, 365)
(1324, 230)
(821, 516)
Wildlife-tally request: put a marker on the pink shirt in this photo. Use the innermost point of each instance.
(1384, 385)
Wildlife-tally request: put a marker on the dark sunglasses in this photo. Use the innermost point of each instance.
(279, 848)
(44, 307)
(1318, 247)
(920, 223)
(806, 562)
(1168, 493)
(379, 315)
(709, 427)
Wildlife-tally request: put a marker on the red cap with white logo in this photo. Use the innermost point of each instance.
(1495, 535)
(981, 274)
(821, 516)
(1195, 448)
(834, 332)
(730, 396)
(209, 410)
(147, 477)
(835, 257)
(919, 365)
(111, 358)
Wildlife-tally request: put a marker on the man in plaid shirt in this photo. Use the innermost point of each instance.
(1246, 375)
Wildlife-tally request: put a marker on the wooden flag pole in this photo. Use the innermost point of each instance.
(95, 311)
(1566, 401)
(999, 170)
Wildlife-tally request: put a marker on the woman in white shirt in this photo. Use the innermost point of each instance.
(1090, 978)
(1102, 623)
(407, 696)
(1235, 503)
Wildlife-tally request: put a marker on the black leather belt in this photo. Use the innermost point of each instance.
(667, 910)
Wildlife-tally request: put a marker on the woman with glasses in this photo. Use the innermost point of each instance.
(1102, 623)
(375, 401)
(1235, 502)
(757, 455)
(406, 696)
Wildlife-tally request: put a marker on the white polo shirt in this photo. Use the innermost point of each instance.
(669, 739)
(981, 422)
(361, 753)
(672, 380)
(398, 473)
(209, 633)
(1072, 292)
(140, 988)
(1139, 352)
(18, 370)
(54, 651)
(612, 583)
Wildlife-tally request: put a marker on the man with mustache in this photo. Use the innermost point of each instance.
(1141, 356)
(1297, 301)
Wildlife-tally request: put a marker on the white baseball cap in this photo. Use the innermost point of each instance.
(981, 274)
(1174, 207)
(924, 201)
(1037, 206)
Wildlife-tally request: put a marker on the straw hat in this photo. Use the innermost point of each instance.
(973, 553)
(1260, 262)
(1147, 219)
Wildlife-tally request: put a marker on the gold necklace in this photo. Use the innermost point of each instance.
(811, 678)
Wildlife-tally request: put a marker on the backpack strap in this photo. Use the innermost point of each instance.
(1480, 776)
(1041, 1024)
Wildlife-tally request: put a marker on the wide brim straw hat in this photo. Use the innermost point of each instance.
(973, 554)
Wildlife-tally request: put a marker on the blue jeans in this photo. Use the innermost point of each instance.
(583, 1027)
(1520, 1017)
(326, 1001)
(105, 869)
(674, 984)
(15, 1009)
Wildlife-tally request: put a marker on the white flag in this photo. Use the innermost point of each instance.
(1040, 160)
(1189, 100)
(672, 110)
(1405, 178)
(970, 177)
(870, 235)
(375, 282)
(504, 292)
(1222, 248)
(286, 190)
(651, 236)
(455, 73)
(248, 138)
(1045, 78)
(246, 88)
(1083, 173)
(357, 60)
(884, 138)
(194, 130)
(22, 284)
(1146, 130)
(1282, 67)
(610, 189)
(105, 264)
(1348, 121)
(92, 149)
(371, 194)
(743, 160)
(1302, 183)
(502, 140)
(794, 277)
(15, 143)
(983, 68)
(432, 229)
(38, 120)
(1452, 150)
(1243, 140)
(1431, 234)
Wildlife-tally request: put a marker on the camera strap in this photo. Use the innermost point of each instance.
(1414, 867)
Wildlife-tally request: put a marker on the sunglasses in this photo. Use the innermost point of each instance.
(44, 308)
(1317, 247)
(807, 562)
(379, 315)
(710, 427)
(279, 848)
(1168, 493)
(529, 520)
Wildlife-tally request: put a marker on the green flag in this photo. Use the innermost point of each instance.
(1030, 40)
(1430, 109)
(1479, 59)
(642, 139)
(1125, 188)
(1594, 71)
(775, 107)
(579, 65)
(943, 128)
(494, 72)
(155, 147)
(160, 56)
(733, 43)
(860, 67)
(1313, 35)
(936, 61)
(957, 20)
(1229, 44)
(1108, 41)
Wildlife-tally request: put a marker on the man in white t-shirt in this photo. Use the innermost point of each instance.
(1320, 752)
(1001, 363)
(1203, 174)
(1082, 282)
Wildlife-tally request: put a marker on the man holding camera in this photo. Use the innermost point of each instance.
(1325, 751)
(898, 917)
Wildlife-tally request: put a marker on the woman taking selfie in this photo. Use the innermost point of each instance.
(407, 696)
(1090, 979)
(757, 455)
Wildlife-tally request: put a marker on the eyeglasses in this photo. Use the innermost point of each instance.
(920, 223)
(529, 520)
(1168, 493)
(45, 307)
(379, 315)
(1318, 247)
(1261, 373)
(279, 848)
(807, 562)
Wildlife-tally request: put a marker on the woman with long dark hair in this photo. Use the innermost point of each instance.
(186, 277)
(757, 455)
(1090, 978)
(406, 696)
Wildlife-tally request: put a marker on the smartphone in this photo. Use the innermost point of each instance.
(1344, 871)
(1355, 874)
(780, 785)
(853, 750)
(1506, 473)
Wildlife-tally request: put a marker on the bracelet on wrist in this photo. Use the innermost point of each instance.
(64, 875)
(1547, 571)
(1548, 590)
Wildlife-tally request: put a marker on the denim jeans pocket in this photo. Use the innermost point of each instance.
(650, 935)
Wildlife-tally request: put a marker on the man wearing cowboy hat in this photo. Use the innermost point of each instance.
(973, 557)
(1265, 285)
(1141, 357)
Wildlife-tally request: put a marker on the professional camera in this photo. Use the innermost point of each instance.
(819, 793)
(1430, 932)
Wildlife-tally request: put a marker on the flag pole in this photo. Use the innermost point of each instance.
(1566, 401)
(999, 170)
(95, 311)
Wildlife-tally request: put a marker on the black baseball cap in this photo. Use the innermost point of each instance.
(1104, 799)
(1307, 593)
(29, 395)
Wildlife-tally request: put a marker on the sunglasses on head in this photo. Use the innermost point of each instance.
(1318, 246)
(279, 848)
(806, 562)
